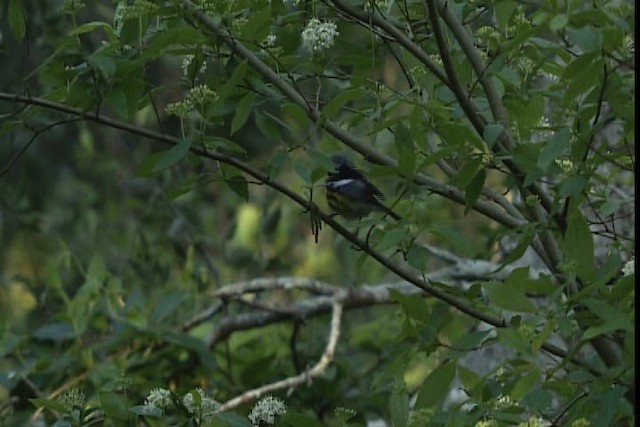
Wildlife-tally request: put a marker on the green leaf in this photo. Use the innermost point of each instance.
(556, 146)
(130, 31)
(414, 306)
(510, 75)
(167, 305)
(579, 66)
(228, 88)
(503, 10)
(258, 25)
(113, 405)
(524, 241)
(432, 158)
(614, 319)
(181, 35)
(578, 243)
(17, 19)
(517, 276)
(243, 110)
(90, 26)
(417, 257)
(572, 186)
(452, 236)
(436, 386)
(468, 172)
(511, 338)
(146, 411)
(297, 113)
(608, 270)
(508, 297)
(474, 189)
(51, 404)
(239, 185)
(336, 104)
(491, 132)
(234, 180)
(234, 420)
(469, 342)
(406, 150)
(104, 64)
(469, 378)
(588, 39)
(609, 405)
(117, 101)
(277, 163)
(267, 125)
(524, 385)
(303, 171)
(58, 332)
(589, 77)
(181, 339)
(558, 22)
(540, 286)
(391, 239)
(399, 407)
(543, 336)
(220, 143)
(172, 156)
(296, 419)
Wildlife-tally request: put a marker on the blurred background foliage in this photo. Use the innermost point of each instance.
(106, 253)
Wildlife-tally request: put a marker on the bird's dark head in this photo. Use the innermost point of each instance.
(340, 160)
(344, 168)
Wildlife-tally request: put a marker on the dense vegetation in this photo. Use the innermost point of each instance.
(168, 256)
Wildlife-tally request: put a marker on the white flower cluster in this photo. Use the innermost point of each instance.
(318, 36)
(629, 268)
(269, 41)
(266, 410)
(535, 422)
(159, 398)
(504, 402)
(197, 95)
(204, 408)
(72, 398)
(136, 9)
(72, 6)
(186, 62)
(371, 5)
(207, 6)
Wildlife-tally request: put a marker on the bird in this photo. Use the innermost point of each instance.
(350, 194)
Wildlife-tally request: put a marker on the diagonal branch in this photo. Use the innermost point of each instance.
(486, 208)
(402, 271)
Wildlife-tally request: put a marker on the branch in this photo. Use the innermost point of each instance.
(504, 142)
(402, 271)
(476, 61)
(491, 210)
(362, 296)
(316, 371)
(488, 209)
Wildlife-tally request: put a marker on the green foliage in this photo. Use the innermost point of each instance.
(164, 224)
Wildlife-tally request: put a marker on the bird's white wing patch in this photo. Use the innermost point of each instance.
(340, 183)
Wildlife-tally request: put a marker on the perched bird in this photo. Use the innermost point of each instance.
(350, 194)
